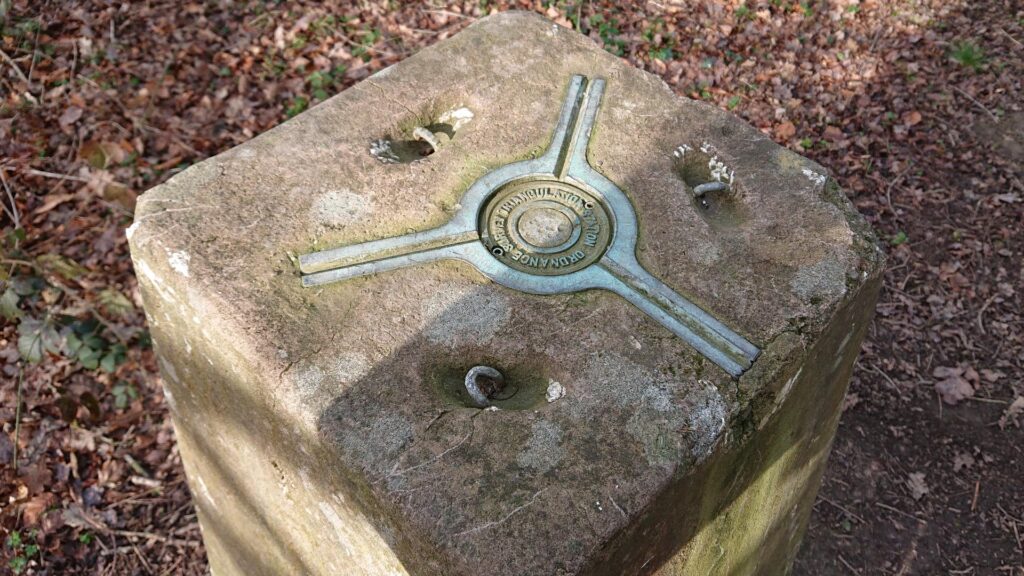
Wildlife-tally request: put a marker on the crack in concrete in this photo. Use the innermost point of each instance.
(396, 473)
(504, 518)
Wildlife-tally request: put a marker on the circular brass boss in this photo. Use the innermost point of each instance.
(545, 227)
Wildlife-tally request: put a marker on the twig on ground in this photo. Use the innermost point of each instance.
(977, 103)
(847, 564)
(17, 420)
(17, 69)
(851, 514)
(156, 537)
(32, 62)
(981, 313)
(888, 379)
(449, 13)
(901, 512)
(44, 174)
(138, 554)
(1014, 40)
(13, 210)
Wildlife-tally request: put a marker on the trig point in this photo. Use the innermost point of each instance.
(509, 307)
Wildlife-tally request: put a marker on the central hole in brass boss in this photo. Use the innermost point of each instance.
(545, 227)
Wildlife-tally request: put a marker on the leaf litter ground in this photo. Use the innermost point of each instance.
(914, 105)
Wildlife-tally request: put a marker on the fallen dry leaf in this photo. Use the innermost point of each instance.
(912, 118)
(991, 375)
(52, 201)
(1013, 411)
(77, 516)
(785, 131)
(962, 460)
(70, 116)
(952, 385)
(916, 484)
(832, 133)
(34, 508)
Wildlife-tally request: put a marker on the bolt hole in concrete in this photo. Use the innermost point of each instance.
(420, 136)
(485, 385)
(712, 186)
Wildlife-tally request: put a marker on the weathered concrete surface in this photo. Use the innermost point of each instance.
(322, 430)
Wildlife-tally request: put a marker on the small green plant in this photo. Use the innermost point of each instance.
(806, 143)
(968, 54)
(733, 103)
(272, 65)
(25, 29)
(733, 56)
(648, 34)
(115, 302)
(572, 12)
(297, 106)
(744, 13)
(78, 333)
(362, 49)
(899, 238)
(317, 82)
(124, 393)
(326, 26)
(321, 82)
(21, 550)
(664, 54)
(608, 30)
(82, 341)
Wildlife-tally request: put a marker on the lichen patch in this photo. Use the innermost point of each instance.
(544, 448)
(706, 420)
(179, 262)
(814, 177)
(130, 231)
(554, 392)
(824, 280)
(466, 317)
(349, 367)
(340, 208)
(457, 117)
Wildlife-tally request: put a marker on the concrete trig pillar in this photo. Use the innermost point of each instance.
(509, 307)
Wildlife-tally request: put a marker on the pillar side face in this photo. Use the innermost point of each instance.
(327, 429)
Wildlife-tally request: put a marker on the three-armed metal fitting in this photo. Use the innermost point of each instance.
(550, 225)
